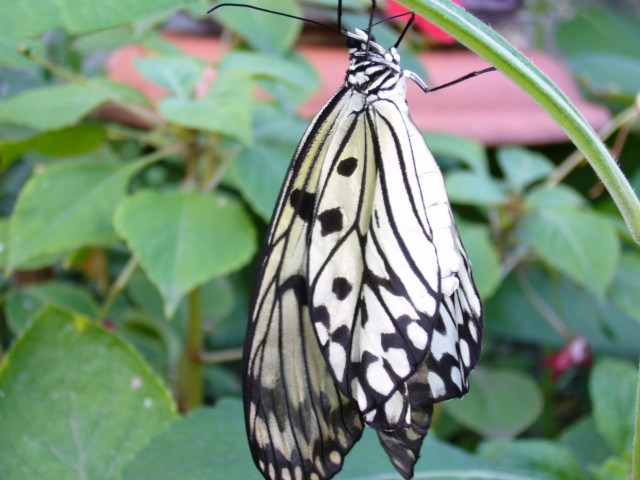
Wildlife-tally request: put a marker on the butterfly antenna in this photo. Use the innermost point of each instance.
(275, 12)
(340, 15)
(370, 27)
(405, 29)
(461, 79)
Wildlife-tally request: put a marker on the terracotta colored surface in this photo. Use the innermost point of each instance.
(489, 108)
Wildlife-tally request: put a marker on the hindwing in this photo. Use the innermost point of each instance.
(298, 421)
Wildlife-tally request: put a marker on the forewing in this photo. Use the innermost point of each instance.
(298, 422)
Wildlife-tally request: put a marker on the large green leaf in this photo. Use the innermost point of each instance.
(185, 239)
(211, 443)
(76, 402)
(500, 403)
(23, 305)
(269, 33)
(51, 108)
(486, 42)
(225, 109)
(76, 16)
(613, 392)
(65, 207)
(582, 245)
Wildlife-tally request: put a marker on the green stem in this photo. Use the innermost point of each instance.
(635, 461)
(490, 45)
(190, 380)
(222, 356)
(116, 287)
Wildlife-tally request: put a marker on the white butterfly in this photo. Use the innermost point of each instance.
(364, 310)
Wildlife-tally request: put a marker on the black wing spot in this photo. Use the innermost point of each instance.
(331, 221)
(347, 166)
(320, 315)
(341, 336)
(341, 288)
(303, 203)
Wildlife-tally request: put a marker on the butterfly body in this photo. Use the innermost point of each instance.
(364, 310)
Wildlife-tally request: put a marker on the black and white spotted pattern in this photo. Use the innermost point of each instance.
(364, 311)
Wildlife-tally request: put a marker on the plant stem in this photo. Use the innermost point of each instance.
(635, 459)
(117, 287)
(223, 356)
(190, 381)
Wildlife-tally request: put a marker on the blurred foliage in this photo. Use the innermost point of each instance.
(127, 253)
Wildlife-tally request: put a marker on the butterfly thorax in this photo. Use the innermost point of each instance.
(373, 70)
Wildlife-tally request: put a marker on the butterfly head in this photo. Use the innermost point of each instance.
(372, 68)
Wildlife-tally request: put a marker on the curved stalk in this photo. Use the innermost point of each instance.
(481, 39)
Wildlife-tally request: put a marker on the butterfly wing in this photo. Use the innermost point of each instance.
(298, 422)
(392, 299)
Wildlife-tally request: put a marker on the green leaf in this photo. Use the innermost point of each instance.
(485, 261)
(260, 170)
(4, 241)
(480, 38)
(265, 32)
(582, 245)
(10, 55)
(66, 206)
(185, 239)
(536, 455)
(208, 443)
(608, 74)
(24, 305)
(595, 29)
(586, 444)
(51, 108)
(515, 315)
(469, 152)
(292, 70)
(625, 288)
(211, 443)
(66, 142)
(77, 16)
(543, 197)
(474, 189)
(178, 74)
(225, 109)
(500, 403)
(118, 91)
(522, 167)
(77, 401)
(612, 388)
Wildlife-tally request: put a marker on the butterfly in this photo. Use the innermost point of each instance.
(364, 309)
